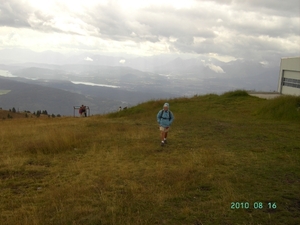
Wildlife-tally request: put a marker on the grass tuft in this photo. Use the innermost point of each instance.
(281, 108)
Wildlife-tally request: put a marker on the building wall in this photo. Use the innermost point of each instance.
(289, 76)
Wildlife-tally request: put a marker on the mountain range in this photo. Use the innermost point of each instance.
(57, 82)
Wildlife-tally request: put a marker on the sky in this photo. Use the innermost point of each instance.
(223, 29)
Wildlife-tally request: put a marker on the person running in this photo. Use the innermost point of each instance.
(165, 118)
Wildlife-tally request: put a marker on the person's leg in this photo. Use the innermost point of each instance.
(162, 135)
(165, 137)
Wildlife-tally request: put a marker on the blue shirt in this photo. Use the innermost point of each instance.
(164, 120)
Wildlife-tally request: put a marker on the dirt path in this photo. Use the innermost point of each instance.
(265, 95)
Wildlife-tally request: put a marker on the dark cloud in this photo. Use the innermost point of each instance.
(14, 14)
(289, 8)
(171, 22)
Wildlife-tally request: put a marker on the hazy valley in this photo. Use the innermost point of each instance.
(55, 82)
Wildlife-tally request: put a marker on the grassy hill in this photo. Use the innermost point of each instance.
(230, 159)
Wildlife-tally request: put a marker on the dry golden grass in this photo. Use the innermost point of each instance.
(112, 170)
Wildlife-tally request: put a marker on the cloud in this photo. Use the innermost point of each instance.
(215, 68)
(231, 28)
(88, 59)
(122, 61)
(283, 8)
(278, 7)
(14, 14)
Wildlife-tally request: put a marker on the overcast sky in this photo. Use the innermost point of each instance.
(224, 29)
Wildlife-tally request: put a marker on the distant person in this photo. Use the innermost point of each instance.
(165, 118)
(120, 109)
(82, 110)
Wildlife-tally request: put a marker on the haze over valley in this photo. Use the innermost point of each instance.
(108, 82)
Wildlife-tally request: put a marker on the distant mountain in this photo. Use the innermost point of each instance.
(50, 71)
(161, 76)
(213, 68)
(33, 97)
(145, 63)
(38, 73)
(125, 97)
(148, 63)
(25, 55)
(135, 86)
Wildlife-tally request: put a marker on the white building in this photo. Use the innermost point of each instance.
(289, 76)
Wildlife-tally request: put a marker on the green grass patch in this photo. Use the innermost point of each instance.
(281, 108)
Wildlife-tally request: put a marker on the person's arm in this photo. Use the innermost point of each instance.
(158, 116)
(172, 118)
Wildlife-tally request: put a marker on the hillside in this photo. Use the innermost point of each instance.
(230, 159)
(51, 87)
(6, 114)
(34, 97)
(9, 114)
